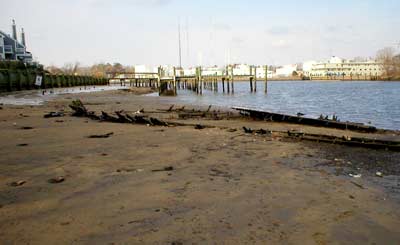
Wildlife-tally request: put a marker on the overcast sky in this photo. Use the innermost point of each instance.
(212, 32)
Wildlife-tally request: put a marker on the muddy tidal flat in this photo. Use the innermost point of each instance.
(73, 180)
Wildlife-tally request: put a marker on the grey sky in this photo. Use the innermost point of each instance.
(213, 32)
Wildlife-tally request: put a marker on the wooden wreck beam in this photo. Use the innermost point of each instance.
(276, 117)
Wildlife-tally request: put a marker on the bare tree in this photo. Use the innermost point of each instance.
(70, 68)
(386, 56)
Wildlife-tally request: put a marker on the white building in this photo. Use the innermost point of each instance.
(241, 70)
(286, 71)
(307, 67)
(260, 72)
(212, 71)
(189, 71)
(346, 68)
(144, 69)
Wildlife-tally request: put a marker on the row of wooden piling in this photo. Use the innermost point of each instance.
(23, 79)
(197, 83)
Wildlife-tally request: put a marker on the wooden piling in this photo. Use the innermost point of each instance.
(251, 79)
(255, 79)
(158, 78)
(232, 80)
(266, 79)
(201, 81)
(174, 80)
(228, 85)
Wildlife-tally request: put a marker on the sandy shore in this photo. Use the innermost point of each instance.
(225, 187)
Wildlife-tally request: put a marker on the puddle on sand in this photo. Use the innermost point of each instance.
(38, 97)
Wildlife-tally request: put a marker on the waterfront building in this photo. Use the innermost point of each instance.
(307, 67)
(286, 71)
(241, 69)
(11, 48)
(189, 71)
(337, 67)
(260, 72)
(212, 71)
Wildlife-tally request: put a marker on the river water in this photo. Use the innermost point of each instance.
(375, 103)
(370, 102)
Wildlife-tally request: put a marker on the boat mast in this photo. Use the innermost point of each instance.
(180, 48)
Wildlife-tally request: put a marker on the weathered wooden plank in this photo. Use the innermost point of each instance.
(276, 117)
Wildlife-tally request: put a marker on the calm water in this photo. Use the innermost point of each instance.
(375, 103)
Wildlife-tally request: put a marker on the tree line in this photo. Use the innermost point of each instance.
(390, 61)
(96, 70)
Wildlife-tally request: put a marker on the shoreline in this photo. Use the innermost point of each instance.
(36, 98)
(157, 184)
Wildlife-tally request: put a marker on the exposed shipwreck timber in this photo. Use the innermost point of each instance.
(346, 140)
(79, 110)
(276, 117)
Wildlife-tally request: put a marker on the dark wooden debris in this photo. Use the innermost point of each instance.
(276, 117)
(199, 126)
(167, 169)
(100, 136)
(17, 183)
(56, 180)
(170, 108)
(346, 140)
(53, 114)
(258, 131)
(79, 110)
(358, 185)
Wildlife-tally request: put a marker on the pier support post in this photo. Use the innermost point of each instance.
(232, 80)
(266, 79)
(228, 86)
(251, 79)
(255, 79)
(251, 83)
(174, 80)
(201, 81)
(158, 80)
(223, 84)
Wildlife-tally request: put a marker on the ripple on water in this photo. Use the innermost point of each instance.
(360, 101)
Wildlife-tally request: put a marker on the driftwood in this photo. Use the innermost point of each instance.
(53, 114)
(258, 131)
(100, 136)
(199, 126)
(167, 169)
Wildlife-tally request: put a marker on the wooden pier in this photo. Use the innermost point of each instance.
(168, 85)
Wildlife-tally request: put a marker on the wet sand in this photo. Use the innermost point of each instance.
(225, 187)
